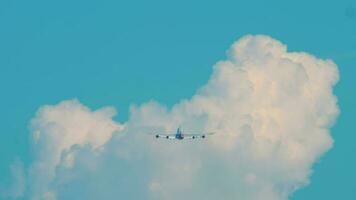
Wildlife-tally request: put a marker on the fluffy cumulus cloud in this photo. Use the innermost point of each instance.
(56, 131)
(271, 110)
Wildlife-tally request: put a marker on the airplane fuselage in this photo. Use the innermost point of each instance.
(179, 134)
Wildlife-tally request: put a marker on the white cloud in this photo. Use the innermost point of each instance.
(272, 111)
(57, 129)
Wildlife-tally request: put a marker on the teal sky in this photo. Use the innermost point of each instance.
(124, 52)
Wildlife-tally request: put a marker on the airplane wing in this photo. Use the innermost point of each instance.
(191, 136)
(197, 136)
(166, 136)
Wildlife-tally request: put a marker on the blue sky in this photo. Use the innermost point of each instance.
(124, 52)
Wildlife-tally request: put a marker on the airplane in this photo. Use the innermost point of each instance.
(179, 135)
